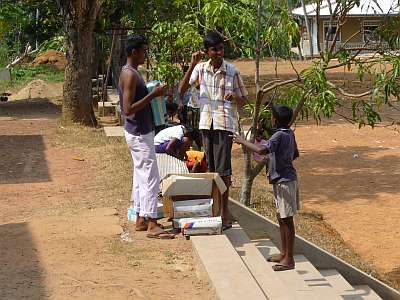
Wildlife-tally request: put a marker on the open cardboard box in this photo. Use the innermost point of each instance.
(178, 187)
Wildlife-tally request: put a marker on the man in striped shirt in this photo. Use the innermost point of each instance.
(221, 93)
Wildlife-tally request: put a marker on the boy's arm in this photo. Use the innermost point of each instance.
(239, 94)
(184, 84)
(296, 151)
(260, 149)
(169, 148)
(129, 83)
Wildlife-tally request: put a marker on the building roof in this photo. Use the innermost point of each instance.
(366, 8)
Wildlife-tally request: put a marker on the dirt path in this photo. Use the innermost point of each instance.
(57, 240)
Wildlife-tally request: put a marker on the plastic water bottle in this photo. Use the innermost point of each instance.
(131, 214)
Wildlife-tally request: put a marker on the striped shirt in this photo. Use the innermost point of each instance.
(214, 110)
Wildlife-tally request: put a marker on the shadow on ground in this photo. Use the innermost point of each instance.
(21, 274)
(22, 159)
(30, 108)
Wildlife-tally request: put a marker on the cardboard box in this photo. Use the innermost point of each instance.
(178, 187)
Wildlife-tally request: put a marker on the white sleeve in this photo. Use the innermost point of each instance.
(195, 74)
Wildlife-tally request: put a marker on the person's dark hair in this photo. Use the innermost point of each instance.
(135, 42)
(212, 39)
(194, 135)
(283, 115)
(171, 107)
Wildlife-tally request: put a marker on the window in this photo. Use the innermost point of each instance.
(330, 35)
(369, 30)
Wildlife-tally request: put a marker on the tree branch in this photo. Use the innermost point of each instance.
(345, 117)
(298, 108)
(278, 84)
(293, 67)
(344, 93)
(338, 29)
(347, 61)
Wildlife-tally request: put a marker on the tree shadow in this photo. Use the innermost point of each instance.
(345, 173)
(22, 159)
(21, 273)
(30, 109)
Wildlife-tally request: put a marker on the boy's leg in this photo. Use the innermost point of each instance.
(208, 137)
(289, 232)
(278, 257)
(222, 148)
(132, 143)
(287, 203)
(140, 221)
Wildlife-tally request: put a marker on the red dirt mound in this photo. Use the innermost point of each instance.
(51, 57)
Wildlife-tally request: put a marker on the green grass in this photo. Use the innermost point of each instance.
(21, 75)
(46, 73)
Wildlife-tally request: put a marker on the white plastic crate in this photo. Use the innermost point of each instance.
(193, 208)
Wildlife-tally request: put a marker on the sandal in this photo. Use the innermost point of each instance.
(159, 233)
(281, 267)
(226, 227)
(141, 227)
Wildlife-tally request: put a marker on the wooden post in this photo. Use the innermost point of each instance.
(104, 92)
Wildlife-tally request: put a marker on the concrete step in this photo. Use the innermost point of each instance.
(336, 280)
(114, 130)
(228, 275)
(272, 286)
(363, 292)
(291, 279)
(314, 279)
(345, 289)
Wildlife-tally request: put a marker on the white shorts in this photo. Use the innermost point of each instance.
(286, 198)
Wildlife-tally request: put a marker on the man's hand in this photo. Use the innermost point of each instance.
(160, 90)
(230, 97)
(238, 139)
(196, 57)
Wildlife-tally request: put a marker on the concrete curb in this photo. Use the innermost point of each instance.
(252, 221)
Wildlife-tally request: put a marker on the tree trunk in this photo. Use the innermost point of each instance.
(79, 20)
(119, 56)
(308, 28)
(245, 194)
(317, 19)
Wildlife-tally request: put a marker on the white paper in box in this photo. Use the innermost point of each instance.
(176, 185)
(193, 208)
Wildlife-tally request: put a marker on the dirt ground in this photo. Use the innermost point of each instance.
(59, 226)
(350, 176)
(38, 89)
(59, 237)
